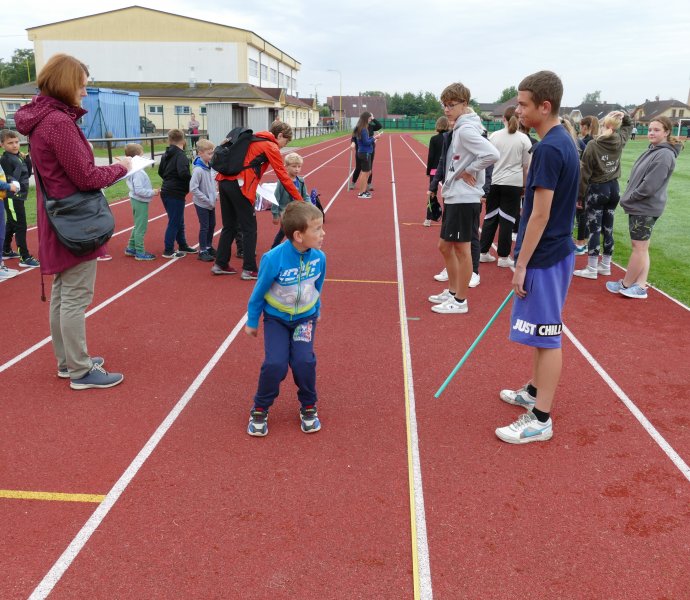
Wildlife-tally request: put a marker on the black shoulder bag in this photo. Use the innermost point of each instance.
(83, 221)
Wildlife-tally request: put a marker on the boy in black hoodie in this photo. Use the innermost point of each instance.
(17, 168)
(174, 171)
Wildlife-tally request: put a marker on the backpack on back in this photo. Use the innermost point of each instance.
(228, 158)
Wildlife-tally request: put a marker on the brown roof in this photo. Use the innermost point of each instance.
(353, 106)
(649, 110)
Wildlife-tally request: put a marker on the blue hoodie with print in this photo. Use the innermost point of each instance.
(289, 284)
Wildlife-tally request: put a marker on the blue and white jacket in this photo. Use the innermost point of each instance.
(289, 284)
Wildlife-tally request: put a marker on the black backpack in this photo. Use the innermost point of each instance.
(228, 158)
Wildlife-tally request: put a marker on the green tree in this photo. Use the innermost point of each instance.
(507, 94)
(592, 97)
(373, 93)
(20, 69)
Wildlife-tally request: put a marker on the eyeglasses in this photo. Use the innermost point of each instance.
(450, 105)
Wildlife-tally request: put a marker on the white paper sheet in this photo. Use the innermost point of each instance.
(138, 163)
(268, 191)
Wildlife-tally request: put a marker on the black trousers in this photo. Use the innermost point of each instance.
(358, 168)
(238, 217)
(502, 208)
(16, 226)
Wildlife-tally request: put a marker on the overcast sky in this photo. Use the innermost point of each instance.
(630, 53)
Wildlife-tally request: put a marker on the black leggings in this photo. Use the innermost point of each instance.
(502, 208)
(16, 225)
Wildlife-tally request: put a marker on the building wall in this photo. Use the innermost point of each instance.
(167, 47)
(163, 62)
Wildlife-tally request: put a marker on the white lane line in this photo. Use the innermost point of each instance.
(72, 551)
(421, 566)
(630, 405)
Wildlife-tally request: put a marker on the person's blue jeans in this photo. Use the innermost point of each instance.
(287, 343)
(175, 229)
(207, 226)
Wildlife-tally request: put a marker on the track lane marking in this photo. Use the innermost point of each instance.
(421, 568)
(51, 496)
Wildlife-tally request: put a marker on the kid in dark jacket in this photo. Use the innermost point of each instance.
(17, 167)
(174, 171)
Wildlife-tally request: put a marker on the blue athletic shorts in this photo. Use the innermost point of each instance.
(536, 318)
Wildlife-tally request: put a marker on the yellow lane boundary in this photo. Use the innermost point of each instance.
(51, 496)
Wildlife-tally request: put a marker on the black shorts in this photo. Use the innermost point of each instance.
(460, 222)
(364, 159)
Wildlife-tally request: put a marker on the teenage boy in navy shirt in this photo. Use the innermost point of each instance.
(544, 255)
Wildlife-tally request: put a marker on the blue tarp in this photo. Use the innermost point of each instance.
(111, 113)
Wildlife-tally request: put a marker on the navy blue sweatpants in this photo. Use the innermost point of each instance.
(287, 343)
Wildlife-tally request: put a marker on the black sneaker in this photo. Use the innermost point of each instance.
(212, 251)
(309, 420)
(258, 423)
(187, 249)
(205, 256)
(10, 254)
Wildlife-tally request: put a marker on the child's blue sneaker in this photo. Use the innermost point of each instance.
(615, 287)
(525, 430)
(144, 256)
(309, 420)
(580, 250)
(130, 252)
(634, 291)
(258, 423)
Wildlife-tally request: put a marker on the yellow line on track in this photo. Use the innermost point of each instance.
(362, 281)
(51, 496)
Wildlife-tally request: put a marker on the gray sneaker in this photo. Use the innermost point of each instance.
(97, 377)
(95, 360)
(518, 397)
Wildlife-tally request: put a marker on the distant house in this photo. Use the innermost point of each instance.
(673, 109)
(592, 109)
(350, 107)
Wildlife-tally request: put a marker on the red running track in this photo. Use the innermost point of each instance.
(205, 511)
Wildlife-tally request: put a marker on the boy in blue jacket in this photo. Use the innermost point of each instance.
(287, 292)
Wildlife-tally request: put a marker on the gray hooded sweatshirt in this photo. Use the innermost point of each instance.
(646, 191)
(470, 152)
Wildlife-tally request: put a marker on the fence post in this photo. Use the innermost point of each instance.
(110, 152)
(153, 156)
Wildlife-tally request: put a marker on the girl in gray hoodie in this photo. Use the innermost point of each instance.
(644, 202)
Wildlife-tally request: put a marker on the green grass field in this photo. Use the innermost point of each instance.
(669, 249)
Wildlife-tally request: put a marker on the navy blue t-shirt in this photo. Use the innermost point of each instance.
(555, 166)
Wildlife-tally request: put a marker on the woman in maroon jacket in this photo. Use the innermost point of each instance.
(63, 158)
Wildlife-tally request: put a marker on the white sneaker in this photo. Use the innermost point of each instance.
(451, 306)
(526, 429)
(486, 257)
(440, 298)
(587, 273)
(603, 269)
(505, 261)
(474, 280)
(6, 273)
(442, 276)
(427, 223)
(518, 397)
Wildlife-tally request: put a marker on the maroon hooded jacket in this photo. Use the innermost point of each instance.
(64, 158)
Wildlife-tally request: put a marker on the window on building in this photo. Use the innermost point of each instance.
(281, 79)
(274, 76)
(155, 109)
(253, 68)
(681, 112)
(12, 106)
(202, 109)
(264, 72)
(182, 110)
